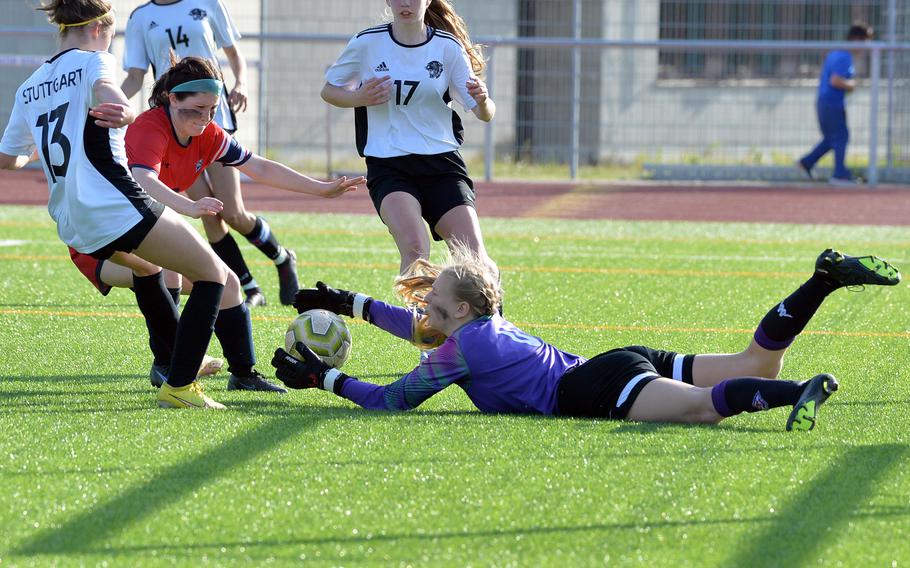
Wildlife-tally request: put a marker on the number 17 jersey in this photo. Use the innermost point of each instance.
(425, 77)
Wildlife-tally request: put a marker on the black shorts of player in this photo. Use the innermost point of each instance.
(150, 210)
(439, 182)
(607, 385)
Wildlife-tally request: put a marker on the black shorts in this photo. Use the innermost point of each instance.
(130, 240)
(607, 385)
(439, 182)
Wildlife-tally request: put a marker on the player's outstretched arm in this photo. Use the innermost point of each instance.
(148, 180)
(308, 372)
(341, 302)
(278, 175)
(396, 320)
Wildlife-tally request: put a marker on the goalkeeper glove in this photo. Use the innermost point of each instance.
(341, 302)
(308, 372)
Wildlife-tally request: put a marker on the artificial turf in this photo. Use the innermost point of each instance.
(93, 472)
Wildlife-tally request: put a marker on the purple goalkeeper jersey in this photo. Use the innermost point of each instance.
(500, 368)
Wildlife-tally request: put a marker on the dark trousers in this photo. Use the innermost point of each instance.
(832, 121)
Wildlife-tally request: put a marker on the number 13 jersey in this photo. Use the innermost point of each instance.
(93, 199)
(426, 77)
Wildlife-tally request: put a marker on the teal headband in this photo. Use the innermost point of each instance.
(200, 86)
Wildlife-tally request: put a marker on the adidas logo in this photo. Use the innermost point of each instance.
(381, 67)
(153, 25)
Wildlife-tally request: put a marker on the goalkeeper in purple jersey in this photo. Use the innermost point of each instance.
(502, 369)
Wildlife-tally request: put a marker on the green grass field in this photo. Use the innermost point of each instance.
(92, 472)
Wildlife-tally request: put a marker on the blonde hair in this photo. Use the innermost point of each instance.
(441, 15)
(476, 280)
(76, 13)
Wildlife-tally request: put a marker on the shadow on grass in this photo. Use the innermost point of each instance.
(176, 484)
(510, 533)
(818, 513)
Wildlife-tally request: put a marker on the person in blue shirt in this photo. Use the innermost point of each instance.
(503, 369)
(835, 82)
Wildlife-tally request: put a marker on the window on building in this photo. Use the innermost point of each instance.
(783, 20)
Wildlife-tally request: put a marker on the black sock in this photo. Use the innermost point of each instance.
(265, 240)
(160, 315)
(228, 251)
(175, 295)
(235, 333)
(748, 394)
(784, 322)
(194, 332)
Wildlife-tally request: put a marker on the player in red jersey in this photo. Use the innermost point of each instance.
(168, 147)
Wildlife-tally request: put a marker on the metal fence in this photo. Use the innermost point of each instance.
(584, 83)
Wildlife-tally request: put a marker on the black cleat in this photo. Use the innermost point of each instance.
(255, 381)
(815, 392)
(846, 270)
(806, 170)
(288, 286)
(158, 375)
(254, 298)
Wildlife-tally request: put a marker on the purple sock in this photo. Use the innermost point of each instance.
(719, 398)
(751, 394)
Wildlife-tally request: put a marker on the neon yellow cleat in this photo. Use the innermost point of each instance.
(190, 396)
(815, 392)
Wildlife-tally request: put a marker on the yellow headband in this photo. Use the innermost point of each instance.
(104, 15)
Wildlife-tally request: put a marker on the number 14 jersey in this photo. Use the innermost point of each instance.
(418, 118)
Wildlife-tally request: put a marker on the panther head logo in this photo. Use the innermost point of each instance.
(434, 68)
(198, 14)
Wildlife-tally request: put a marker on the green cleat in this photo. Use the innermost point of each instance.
(846, 270)
(815, 392)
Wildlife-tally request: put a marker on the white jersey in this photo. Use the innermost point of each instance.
(418, 119)
(92, 196)
(188, 27)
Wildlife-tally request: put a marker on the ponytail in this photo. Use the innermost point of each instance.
(442, 16)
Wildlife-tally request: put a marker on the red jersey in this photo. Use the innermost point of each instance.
(151, 143)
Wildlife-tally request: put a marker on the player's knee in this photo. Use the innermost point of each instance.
(238, 220)
(766, 367)
(413, 247)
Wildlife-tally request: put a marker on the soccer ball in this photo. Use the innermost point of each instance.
(323, 332)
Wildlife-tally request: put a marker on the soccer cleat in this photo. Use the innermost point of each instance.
(288, 285)
(158, 375)
(846, 270)
(844, 182)
(189, 396)
(255, 381)
(210, 366)
(254, 298)
(815, 392)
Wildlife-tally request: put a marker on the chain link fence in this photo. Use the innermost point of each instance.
(586, 88)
